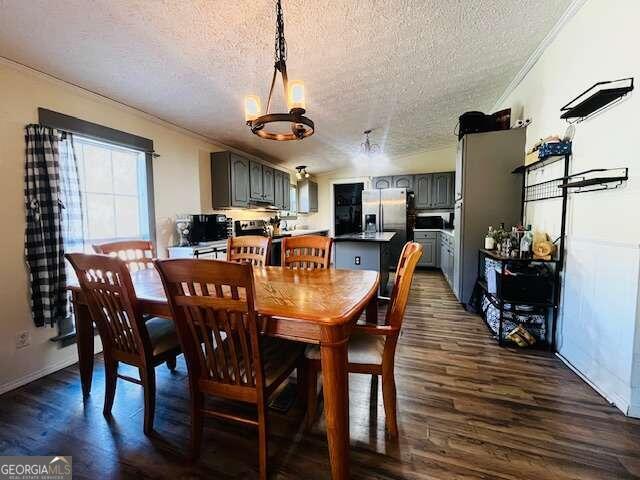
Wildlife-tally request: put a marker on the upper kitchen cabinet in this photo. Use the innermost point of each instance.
(278, 190)
(261, 183)
(268, 184)
(239, 182)
(422, 190)
(403, 181)
(307, 196)
(229, 180)
(383, 182)
(281, 186)
(286, 191)
(442, 190)
(434, 191)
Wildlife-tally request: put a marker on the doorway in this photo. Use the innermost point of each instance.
(347, 201)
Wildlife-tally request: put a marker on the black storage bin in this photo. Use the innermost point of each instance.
(525, 286)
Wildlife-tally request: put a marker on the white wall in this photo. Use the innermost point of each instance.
(599, 319)
(182, 184)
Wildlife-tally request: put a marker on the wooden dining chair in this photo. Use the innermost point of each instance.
(372, 348)
(126, 337)
(306, 252)
(252, 249)
(137, 254)
(212, 303)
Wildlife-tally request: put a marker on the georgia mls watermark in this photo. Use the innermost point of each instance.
(35, 468)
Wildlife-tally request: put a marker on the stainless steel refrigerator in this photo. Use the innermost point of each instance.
(390, 206)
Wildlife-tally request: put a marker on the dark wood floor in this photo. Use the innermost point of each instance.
(467, 410)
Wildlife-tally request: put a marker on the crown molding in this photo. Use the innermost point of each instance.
(571, 10)
(21, 67)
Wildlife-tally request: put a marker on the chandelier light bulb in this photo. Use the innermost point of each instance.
(296, 97)
(252, 109)
(306, 174)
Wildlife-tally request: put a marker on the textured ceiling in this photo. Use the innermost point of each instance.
(406, 68)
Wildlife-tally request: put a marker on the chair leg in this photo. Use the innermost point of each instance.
(263, 450)
(171, 363)
(301, 383)
(311, 375)
(197, 404)
(111, 378)
(389, 400)
(148, 378)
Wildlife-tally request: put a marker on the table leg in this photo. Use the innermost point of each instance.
(335, 381)
(84, 341)
(372, 311)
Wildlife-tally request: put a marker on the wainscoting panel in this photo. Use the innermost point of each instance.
(599, 308)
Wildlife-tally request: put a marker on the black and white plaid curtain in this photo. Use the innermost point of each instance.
(51, 184)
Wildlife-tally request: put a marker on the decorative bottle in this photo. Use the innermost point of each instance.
(489, 240)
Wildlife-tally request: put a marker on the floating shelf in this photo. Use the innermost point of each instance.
(583, 180)
(596, 98)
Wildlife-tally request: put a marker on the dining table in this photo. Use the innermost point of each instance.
(318, 306)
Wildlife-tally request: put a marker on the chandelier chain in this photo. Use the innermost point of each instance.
(281, 43)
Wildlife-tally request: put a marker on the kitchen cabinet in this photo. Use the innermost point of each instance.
(442, 190)
(282, 194)
(403, 181)
(262, 187)
(434, 191)
(237, 181)
(429, 242)
(422, 190)
(256, 191)
(229, 180)
(278, 188)
(307, 196)
(286, 191)
(382, 182)
(268, 184)
(438, 252)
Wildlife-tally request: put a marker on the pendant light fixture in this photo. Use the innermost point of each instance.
(367, 147)
(302, 172)
(300, 126)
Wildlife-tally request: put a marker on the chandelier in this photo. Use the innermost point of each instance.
(300, 126)
(367, 147)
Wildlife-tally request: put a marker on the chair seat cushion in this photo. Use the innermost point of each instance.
(162, 334)
(363, 348)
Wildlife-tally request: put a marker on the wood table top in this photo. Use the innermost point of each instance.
(324, 296)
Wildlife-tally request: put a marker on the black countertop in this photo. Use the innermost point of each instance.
(379, 237)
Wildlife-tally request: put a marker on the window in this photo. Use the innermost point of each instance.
(113, 185)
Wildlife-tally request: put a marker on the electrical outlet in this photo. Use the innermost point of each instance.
(23, 339)
(357, 260)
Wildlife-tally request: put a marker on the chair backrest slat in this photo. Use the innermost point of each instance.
(213, 306)
(306, 252)
(137, 254)
(252, 249)
(106, 283)
(409, 258)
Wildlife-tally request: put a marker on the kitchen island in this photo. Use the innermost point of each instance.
(365, 251)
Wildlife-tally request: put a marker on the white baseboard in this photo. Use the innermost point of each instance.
(619, 403)
(19, 382)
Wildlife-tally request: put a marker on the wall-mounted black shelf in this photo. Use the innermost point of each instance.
(582, 180)
(543, 162)
(596, 98)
